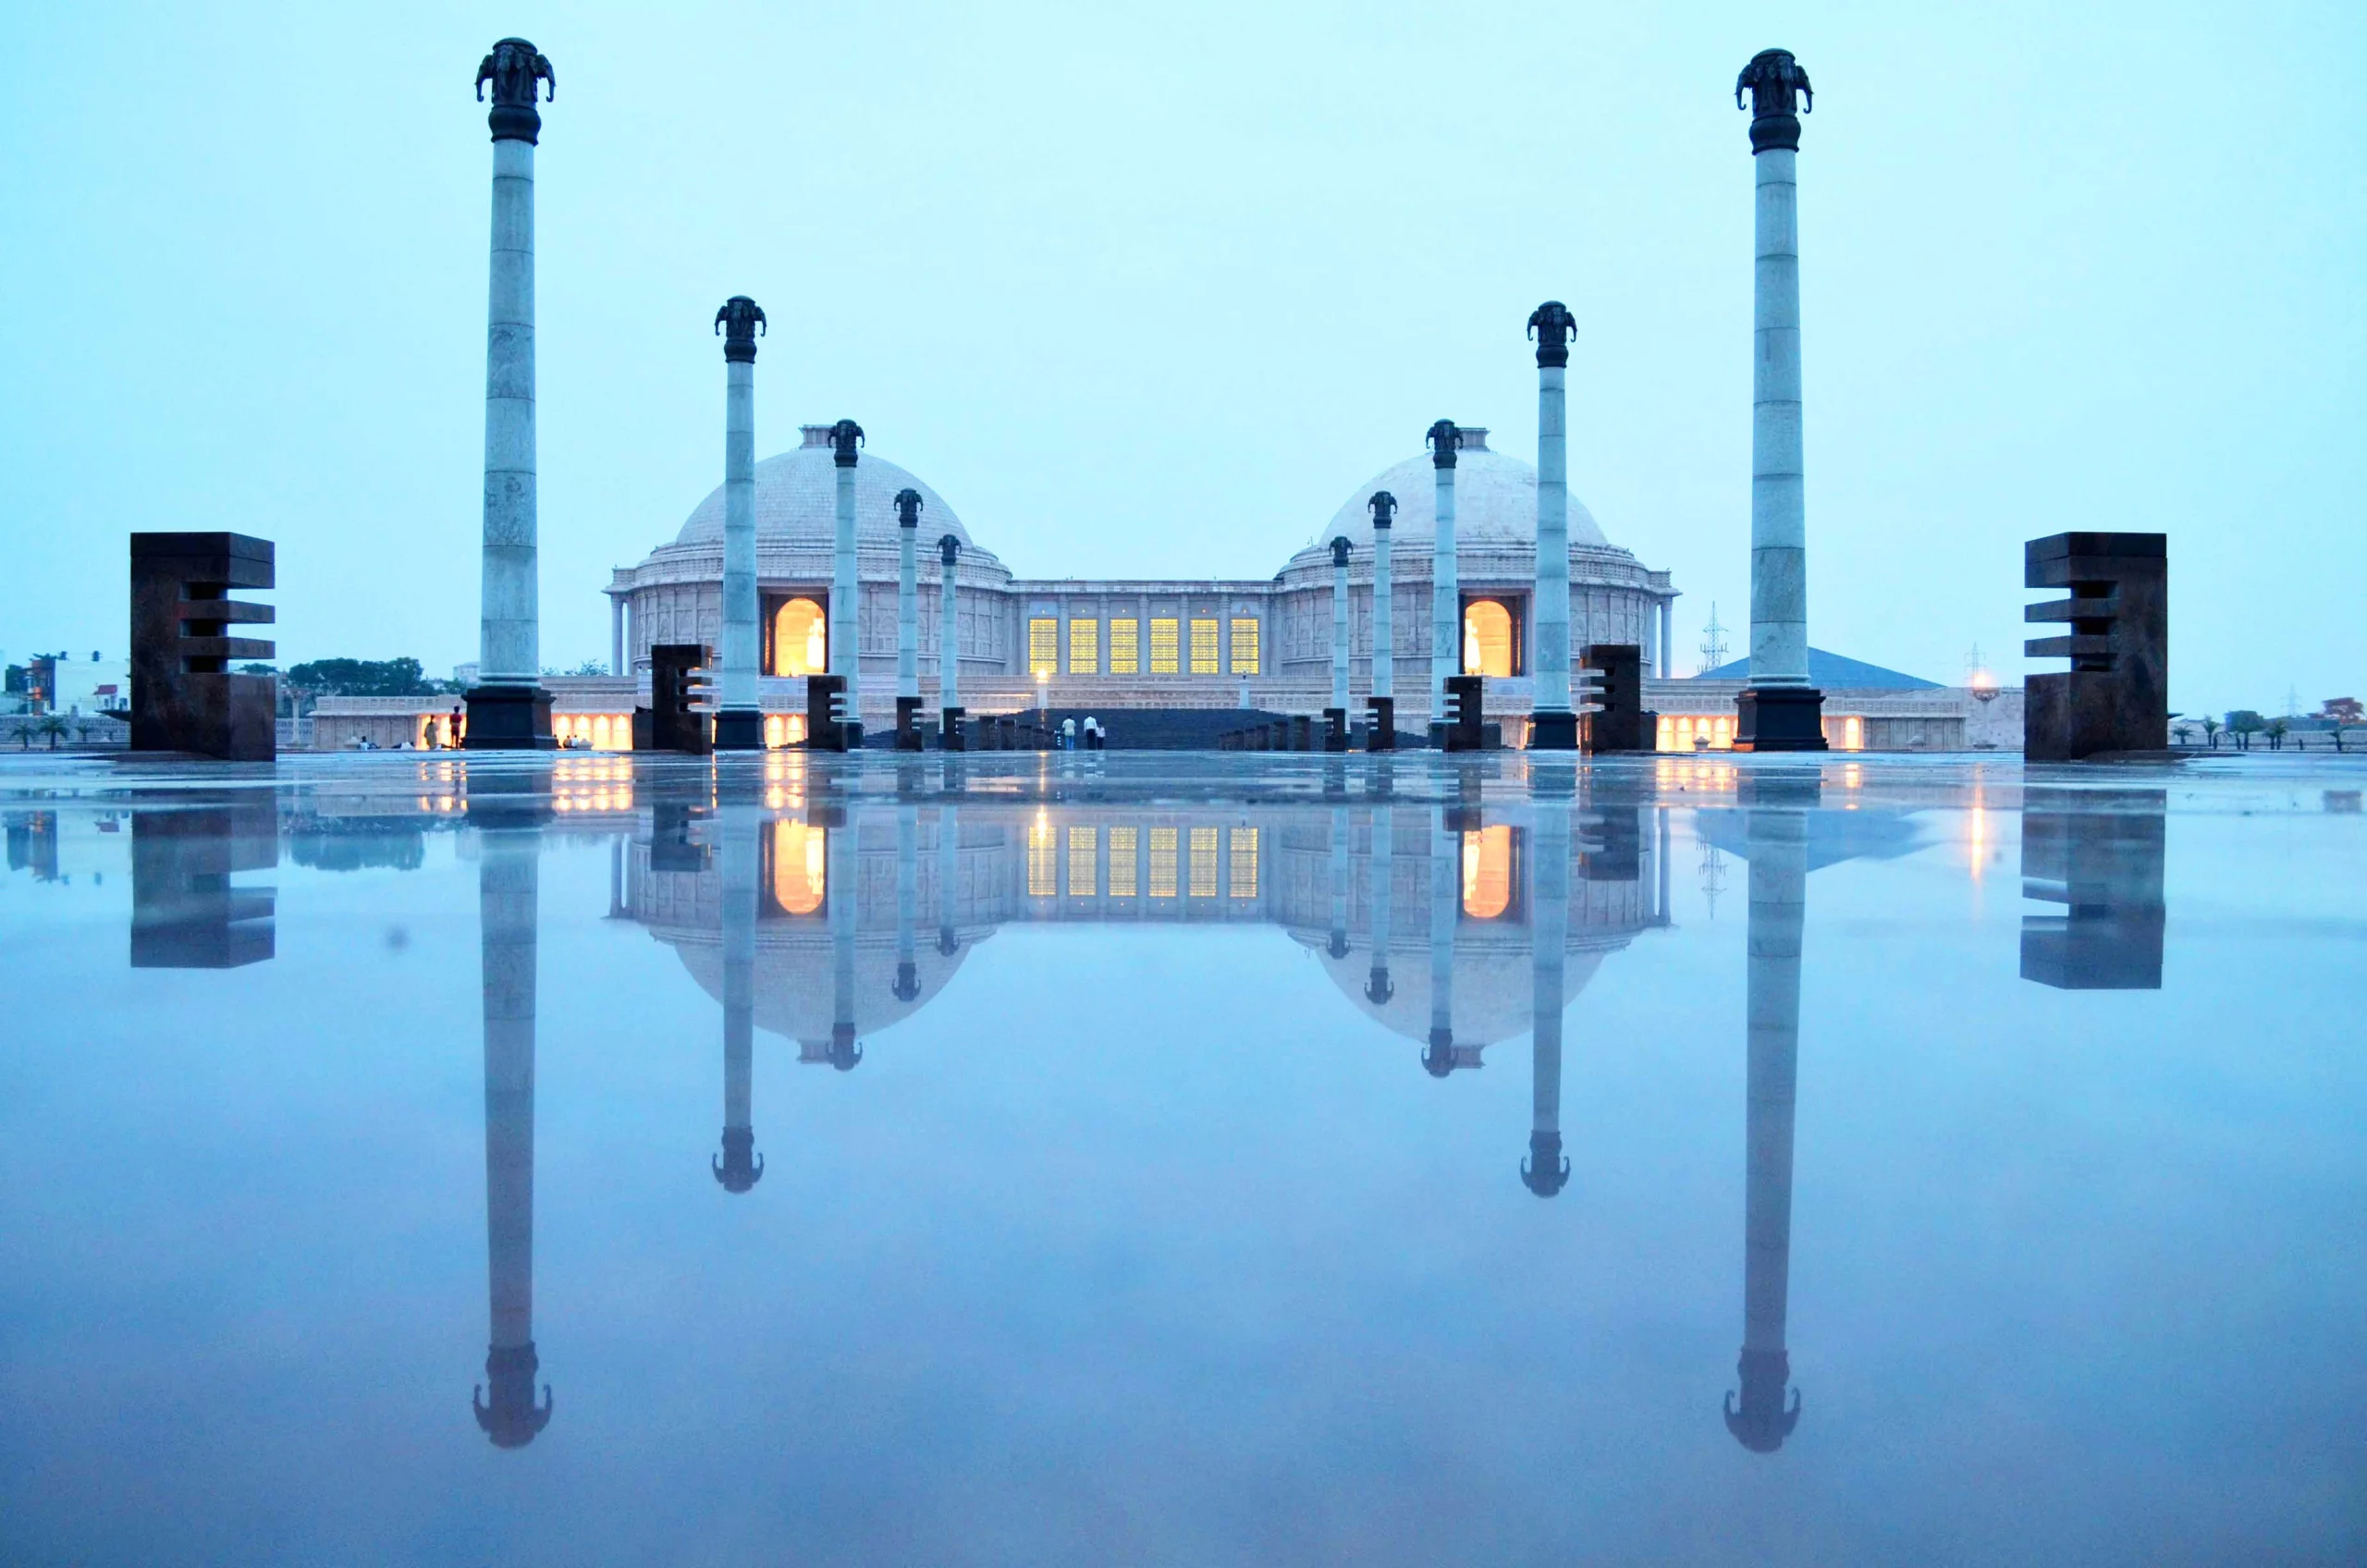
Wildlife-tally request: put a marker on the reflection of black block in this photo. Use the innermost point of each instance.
(675, 687)
(670, 848)
(1621, 859)
(2115, 625)
(1620, 726)
(185, 915)
(183, 697)
(2099, 854)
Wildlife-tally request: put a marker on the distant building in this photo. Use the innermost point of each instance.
(97, 685)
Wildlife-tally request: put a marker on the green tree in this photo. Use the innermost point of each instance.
(2211, 733)
(2184, 734)
(2243, 724)
(2343, 710)
(2276, 730)
(55, 728)
(362, 678)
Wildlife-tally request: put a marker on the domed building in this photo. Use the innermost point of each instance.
(1130, 644)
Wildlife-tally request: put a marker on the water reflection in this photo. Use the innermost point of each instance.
(2097, 852)
(185, 912)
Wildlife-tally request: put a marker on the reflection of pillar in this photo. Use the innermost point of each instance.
(948, 875)
(739, 822)
(846, 658)
(1338, 947)
(1779, 872)
(844, 1051)
(506, 889)
(739, 723)
(908, 838)
(1438, 1057)
(1780, 710)
(507, 708)
(1446, 593)
(1553, 724)
(1378, 989)
(1547, 1170)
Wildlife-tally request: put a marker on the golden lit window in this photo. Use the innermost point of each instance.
(1162, 647)
(1853, 734)
(801, 638)
(1204, 646)
(1204, 862)
(1162, 862)
(1043, 645)
(1244, 645)
(799, 861)
(1084, 647)
(1125, 650)
(1043, 866)
(1487, 638)
(1487, 872)
(1122, 862)
(1243, 845)
(1083, 850)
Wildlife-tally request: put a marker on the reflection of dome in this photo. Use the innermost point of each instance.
(797, 501)
(794, 970)
(1495, 503)
(1493, 979)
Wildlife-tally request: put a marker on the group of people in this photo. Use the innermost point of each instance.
(1089, 733)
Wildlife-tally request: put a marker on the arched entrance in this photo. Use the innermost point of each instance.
(800, 863)
(801, 638)
(1490, 643)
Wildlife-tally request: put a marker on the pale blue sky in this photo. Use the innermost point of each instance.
(1151, 290)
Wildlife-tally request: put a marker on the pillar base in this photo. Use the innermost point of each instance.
(851, 732)
(948, 729)
(1381, 733)
(1780, 719)
(1335, 729)
(908, 724)
(739, 730)
(508, 718)
(1553, 732)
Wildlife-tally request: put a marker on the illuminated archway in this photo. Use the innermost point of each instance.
(801, 638)
(1487, 638)
(1488, 871)
(800, 859)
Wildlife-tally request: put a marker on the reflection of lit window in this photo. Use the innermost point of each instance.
(1083, 850)
(1084, 647)
(1244, 863)
(1122, 862)
(1487, 872)
(1043, 645)
(1244, 645)
(798, 865)
(1043, 870)
(1126, 650)
(801, 638)
(1163, 862)
(1204, 646)
(1203, 862)
(1487, 638)
(1162, 647)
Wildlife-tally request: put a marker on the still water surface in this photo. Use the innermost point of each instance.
(1116, 1158)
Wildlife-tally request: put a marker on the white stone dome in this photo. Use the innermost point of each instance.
(797, 501)
(1495, 503)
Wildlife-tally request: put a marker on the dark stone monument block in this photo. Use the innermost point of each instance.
(185, 915)
(1380, 728)
(948, 729)
(908, 724)
(183, 696)
(1335, 729)
(1779, 719)
(1619, 727)
(508, 718)
(739, 730)
(1465, 726)
(676, 683)
(2116, 695)
(2098, 855)
(825, 703)
(1553, 732)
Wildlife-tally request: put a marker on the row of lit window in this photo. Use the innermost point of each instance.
(1162, 860)
(1125, 647)
(1715, 732)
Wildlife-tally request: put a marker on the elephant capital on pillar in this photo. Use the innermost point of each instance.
(1384, 507)
(1445, 438)
(1762, 1420)
(1547, 1170)
(948, 550)
(1552, 324)
(908, 507)
(517, 71)
(1340, 548)
(510, 1417)
(1780, 95)
(740, 320)
(845, 437)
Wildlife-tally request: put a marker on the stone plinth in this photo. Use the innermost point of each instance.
(675, 686)
(2117, 625)
(1463, 728)
(183, 696)
(1618, 723)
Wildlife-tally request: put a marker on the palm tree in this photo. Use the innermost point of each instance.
(2211, 732)
(2276, 734)
(55, 728)
(2184, 734)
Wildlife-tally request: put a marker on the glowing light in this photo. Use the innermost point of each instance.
(1488, 871)
(799, 866)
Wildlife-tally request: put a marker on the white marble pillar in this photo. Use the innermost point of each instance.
(1384, 507)
(1446, 590)
(507, 708)
(846, 650)
(949, 632)
(508, 897)
(1780, 710)
(1778, 838)
(1553, 724)
(1446, 880)
(908, 618)
(738, 722)
(1340, 548)
(1547, 1170)
(616, 634)
(740, 823)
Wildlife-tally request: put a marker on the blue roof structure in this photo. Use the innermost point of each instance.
(1832, 672)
